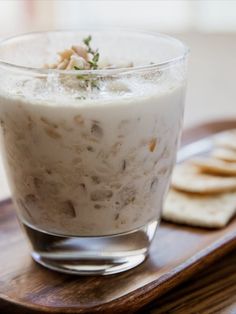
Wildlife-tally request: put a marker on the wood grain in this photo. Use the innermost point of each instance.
(177, 253)
(211, 291)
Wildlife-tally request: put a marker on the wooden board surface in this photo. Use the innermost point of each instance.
(177, 253)
(211, 291)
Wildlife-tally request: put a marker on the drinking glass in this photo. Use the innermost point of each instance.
(89, 153)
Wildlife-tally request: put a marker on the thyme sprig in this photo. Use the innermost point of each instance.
(93, 64)
(94, 53)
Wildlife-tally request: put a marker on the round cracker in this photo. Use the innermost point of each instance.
(224, 154)
(227, 140)
(211, 211)
(189, 178)
(215, 166)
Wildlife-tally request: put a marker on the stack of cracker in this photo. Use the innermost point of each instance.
(203, 190)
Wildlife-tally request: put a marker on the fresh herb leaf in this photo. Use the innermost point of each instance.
(87, 40)
(77, 68)
(93, 63)
(96, 57)
(94, 53)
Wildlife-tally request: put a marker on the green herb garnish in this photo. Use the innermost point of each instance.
(86, 80)
(95, 54)
(77, 68)
(94, 62)
(87, 40)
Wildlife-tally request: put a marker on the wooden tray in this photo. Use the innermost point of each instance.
(177, 253)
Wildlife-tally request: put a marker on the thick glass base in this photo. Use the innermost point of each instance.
(91, 255)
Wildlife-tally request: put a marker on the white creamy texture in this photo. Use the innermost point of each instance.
(91, 167)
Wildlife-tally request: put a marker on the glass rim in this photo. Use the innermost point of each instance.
(98, 72)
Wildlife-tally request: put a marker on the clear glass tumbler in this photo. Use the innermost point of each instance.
(89, 153)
